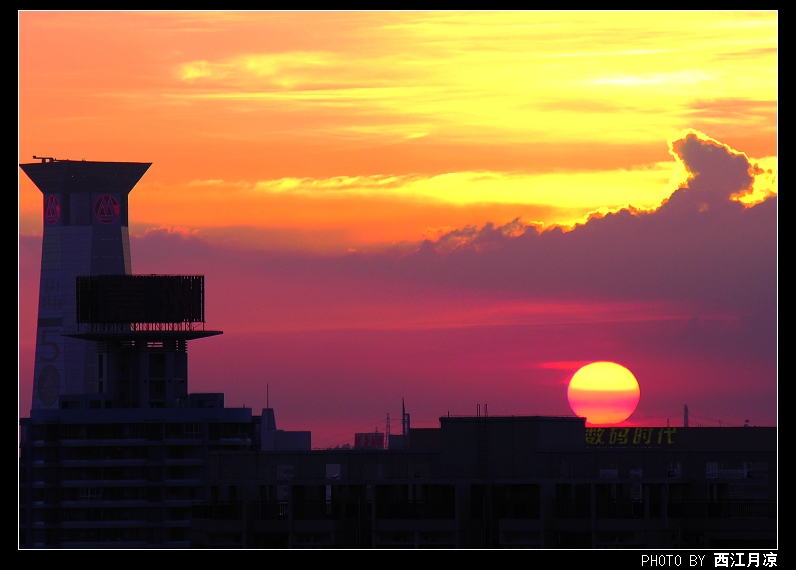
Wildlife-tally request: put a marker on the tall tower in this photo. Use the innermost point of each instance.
(85, 233)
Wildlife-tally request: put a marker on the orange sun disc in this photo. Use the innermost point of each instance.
(603, 393)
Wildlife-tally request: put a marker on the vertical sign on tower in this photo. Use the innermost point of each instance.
(49, 344)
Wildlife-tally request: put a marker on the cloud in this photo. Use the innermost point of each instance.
(678, 78)
(569, 366)
(178, 230)
(700, 245)
(734, 109)
(701, 254)
(649, 185)
(718, 171)
(701, 250)
(284, 70)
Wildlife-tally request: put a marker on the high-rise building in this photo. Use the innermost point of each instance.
(85, 233)
(115, 449)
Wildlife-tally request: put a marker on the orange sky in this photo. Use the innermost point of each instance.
(347, 130)
(283, 142)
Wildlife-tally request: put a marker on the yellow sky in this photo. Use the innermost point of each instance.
(350, 129)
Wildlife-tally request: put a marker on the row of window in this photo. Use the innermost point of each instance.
(129, 493)
(126, 432)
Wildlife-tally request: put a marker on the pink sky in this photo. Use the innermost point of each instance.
(454, 209)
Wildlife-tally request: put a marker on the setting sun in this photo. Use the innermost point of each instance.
(603, 393)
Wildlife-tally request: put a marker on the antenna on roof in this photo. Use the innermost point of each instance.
(403, 417)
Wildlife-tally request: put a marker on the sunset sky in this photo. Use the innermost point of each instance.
(456, 208)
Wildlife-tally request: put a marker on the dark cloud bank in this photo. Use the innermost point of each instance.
(700, 247)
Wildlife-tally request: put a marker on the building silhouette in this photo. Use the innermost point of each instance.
(85, 233)
(117, 452)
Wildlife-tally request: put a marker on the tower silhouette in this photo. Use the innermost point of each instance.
(85, 233)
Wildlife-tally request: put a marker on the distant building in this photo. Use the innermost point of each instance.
(118, 453)
(503, 482)
(373, 440)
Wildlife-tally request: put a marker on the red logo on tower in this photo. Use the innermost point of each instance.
(52, 210)
(106, 208)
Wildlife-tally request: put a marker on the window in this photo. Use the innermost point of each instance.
(157, 365)
(609, 472)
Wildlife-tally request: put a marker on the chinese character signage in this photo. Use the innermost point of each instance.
(630, 436)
